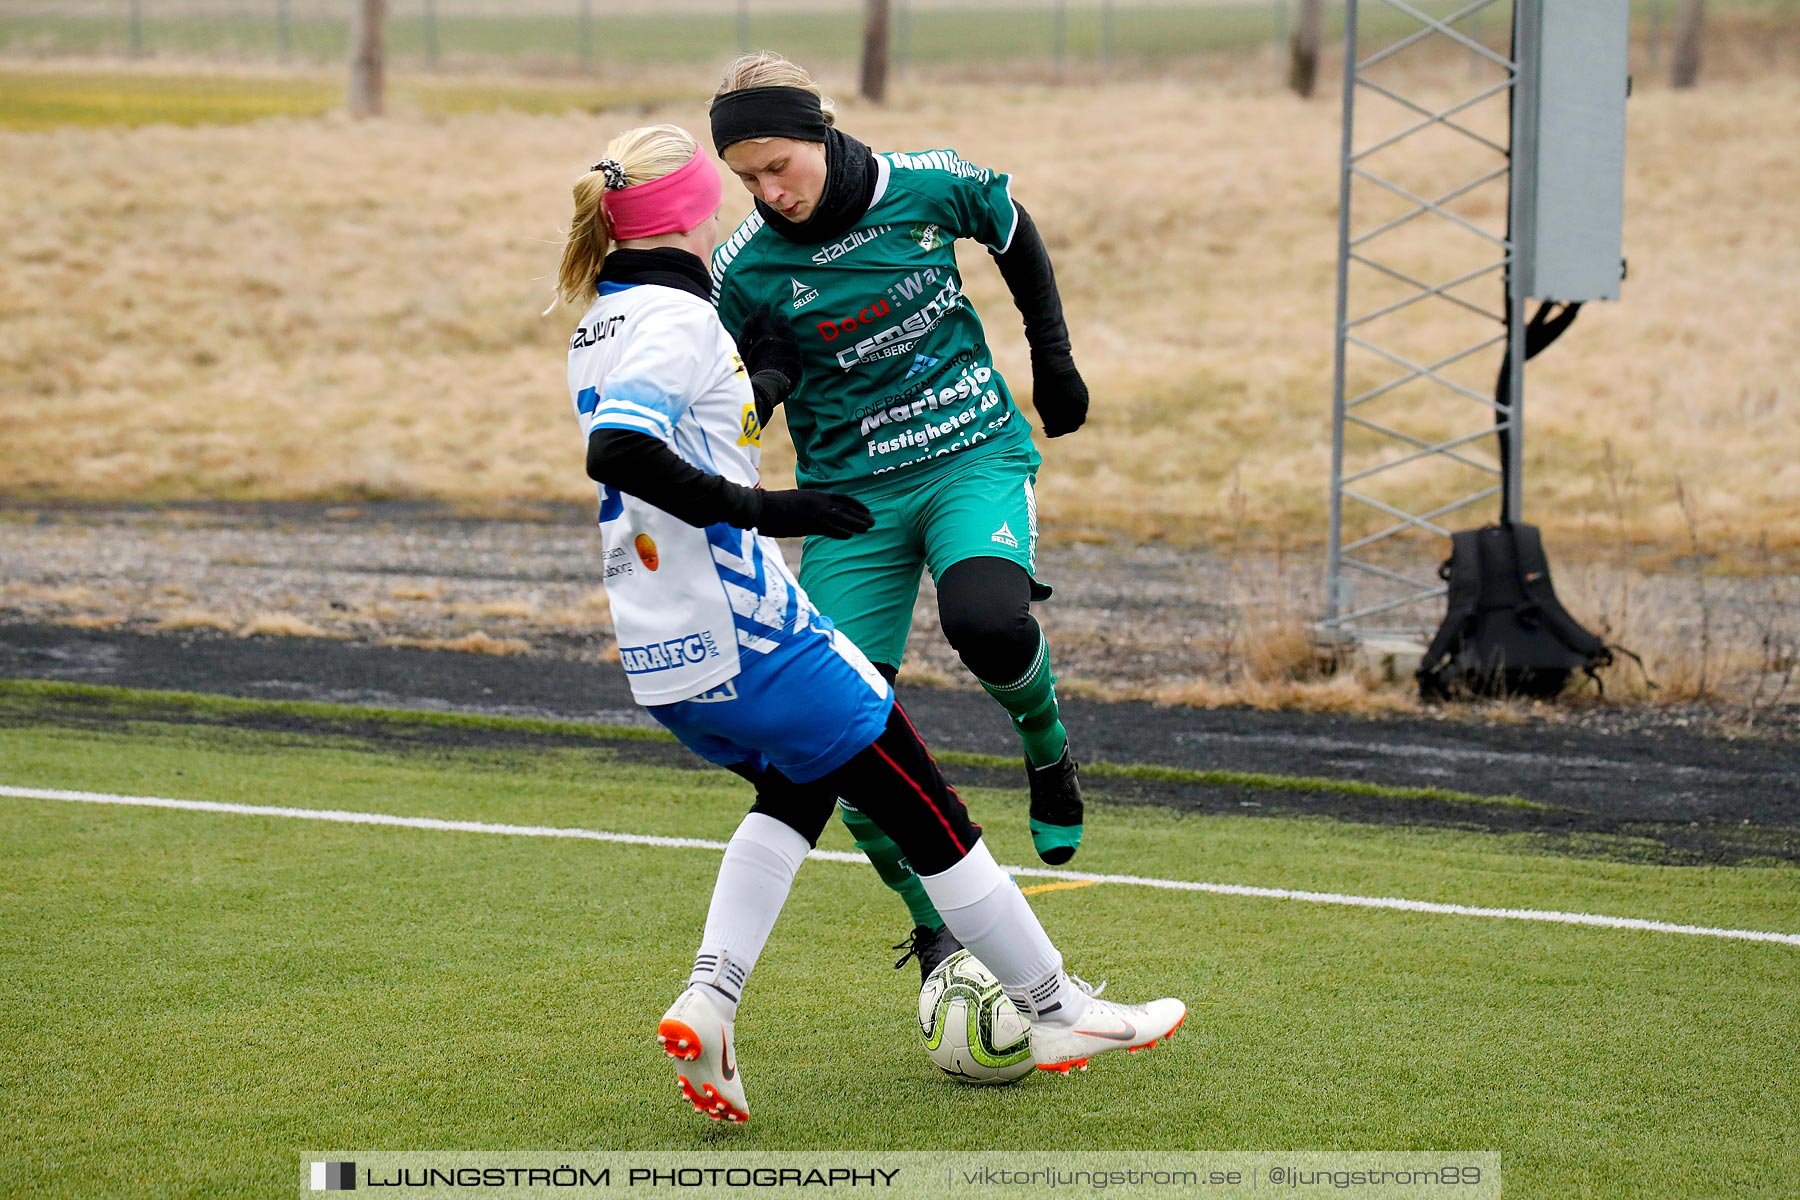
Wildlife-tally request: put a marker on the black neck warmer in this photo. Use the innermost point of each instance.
(850, 176)
(664, 265)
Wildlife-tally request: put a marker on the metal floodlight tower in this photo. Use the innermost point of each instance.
(1419, 431)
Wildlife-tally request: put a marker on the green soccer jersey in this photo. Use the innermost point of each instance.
(898, 372)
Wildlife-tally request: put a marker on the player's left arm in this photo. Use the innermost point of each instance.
(1057, 389)
(986, 211)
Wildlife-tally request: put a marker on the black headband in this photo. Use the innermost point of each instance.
(785, 112)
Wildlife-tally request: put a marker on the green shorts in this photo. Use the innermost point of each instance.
(869, 584)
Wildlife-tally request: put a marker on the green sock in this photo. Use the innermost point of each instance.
(1031, 701)
(891, 865)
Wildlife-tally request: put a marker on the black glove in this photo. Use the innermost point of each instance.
(800, 513)
(771, 355)
(1057, 391)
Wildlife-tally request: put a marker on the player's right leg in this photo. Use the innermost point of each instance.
(868, 586)
(979, 525)
(752, 885)
(904, 792)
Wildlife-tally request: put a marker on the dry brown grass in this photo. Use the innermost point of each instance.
(94, 620)
(518, 610)
(277, 624)
(1729, 644)
(468, 643)
(73, 597)
(1340, 694)
(1736, 656)
(592, 611)
(323, 309)
(194, 618)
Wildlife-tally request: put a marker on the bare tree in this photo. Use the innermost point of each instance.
(1688, 21)
(368, 78)
(1303, 47)
(875, 50)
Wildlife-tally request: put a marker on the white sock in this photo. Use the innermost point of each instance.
(986, 911)
(760, 862)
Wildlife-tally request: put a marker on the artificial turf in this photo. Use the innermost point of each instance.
(200, 996)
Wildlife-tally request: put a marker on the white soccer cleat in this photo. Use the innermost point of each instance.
(695, 1033)
(1105, 1026)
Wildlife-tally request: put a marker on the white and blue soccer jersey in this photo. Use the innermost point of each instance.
(692, 608)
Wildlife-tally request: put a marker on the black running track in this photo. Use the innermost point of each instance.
(1700, 798)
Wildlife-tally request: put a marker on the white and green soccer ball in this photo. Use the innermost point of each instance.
(971, 1030)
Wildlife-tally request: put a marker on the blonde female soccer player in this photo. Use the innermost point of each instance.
(901, 406)
(723, 647)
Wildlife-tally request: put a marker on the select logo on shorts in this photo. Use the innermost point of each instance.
(667, 656)
(334, 1177)
(645, 546)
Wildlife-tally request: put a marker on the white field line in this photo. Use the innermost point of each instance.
(638, 839)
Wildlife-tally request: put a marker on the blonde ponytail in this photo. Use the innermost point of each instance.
(589, 240)
(645, 153)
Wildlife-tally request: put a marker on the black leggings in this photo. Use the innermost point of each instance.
(895, 783)
(984, 605)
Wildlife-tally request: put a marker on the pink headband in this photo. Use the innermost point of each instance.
(675, 203)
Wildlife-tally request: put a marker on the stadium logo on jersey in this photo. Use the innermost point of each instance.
(1004, 535)
(832, 330)
(750, 428)
(803, 294)
(929, 237)
(667, 656)
(921, 362)
(899, 339)
(645, 546)
(856, 238)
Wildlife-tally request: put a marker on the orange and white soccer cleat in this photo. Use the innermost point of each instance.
(695, 1033)
(1105, 1025)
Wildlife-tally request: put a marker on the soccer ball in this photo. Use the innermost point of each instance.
(971, 1030)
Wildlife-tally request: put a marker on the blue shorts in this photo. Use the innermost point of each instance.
(806, 708)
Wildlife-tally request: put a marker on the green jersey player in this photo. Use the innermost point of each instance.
(850, 256)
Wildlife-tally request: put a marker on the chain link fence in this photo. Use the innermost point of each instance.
(573, 34)
(1032, 38)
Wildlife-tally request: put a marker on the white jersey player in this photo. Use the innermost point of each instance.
(721, 645)
(688, 603)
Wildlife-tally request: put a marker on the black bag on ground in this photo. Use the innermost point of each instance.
(1506, 633)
